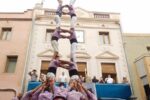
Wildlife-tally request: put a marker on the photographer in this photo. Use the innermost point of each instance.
(33, 75)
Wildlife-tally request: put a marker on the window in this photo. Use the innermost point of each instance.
(6, 34)
(48, 35)
(109, 69)
(44, 66)
(82, 68)
(104, 38)
(11, 64)
(80, 36)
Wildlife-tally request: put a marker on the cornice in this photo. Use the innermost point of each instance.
(142, 56)
(110, 55)
(82, 55)
(16, 19)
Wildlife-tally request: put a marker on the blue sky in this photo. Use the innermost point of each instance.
(135, 14)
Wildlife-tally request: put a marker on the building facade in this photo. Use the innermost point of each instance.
(143, 69)
(100, 49)
(26, 45)
(136, 47)
(14, 38)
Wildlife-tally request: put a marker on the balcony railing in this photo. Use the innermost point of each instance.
(105, 91)
(103, 16)
(50, 13)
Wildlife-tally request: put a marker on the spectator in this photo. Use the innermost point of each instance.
(101, 80)
(125, 81)
(109, 79)
(82, 78)
(42, 78)
(94, 80)
(33, 75)
(63, 78)
(88, 79)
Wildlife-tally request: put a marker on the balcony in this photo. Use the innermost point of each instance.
(103, 91)
(101, 16)
(49, 13)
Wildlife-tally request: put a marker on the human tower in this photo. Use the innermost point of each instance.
(48, 90)
(56, 62)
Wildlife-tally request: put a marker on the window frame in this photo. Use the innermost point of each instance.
(9, 32)
(83, 41)
(103, 34)
(41, 71)
(113, 74)
(9, 57)
(48, 31)
(85, 71)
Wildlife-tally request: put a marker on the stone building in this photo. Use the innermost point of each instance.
(100, 49)
(26, 45)
(137, 53)
(15, 29)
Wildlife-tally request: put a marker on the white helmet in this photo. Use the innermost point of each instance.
(74, 77)
(50, 75)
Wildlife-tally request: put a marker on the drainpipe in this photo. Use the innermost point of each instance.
(23, 82)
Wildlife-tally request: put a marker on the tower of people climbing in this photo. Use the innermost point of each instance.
(56, 62)
(48, 90)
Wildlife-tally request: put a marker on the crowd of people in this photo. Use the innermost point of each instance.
(49, 91)
(64, 79)
(107, 80)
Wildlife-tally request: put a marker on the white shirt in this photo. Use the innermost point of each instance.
(109, 80)
(63, 78)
